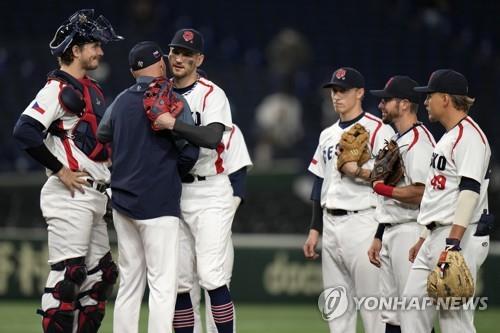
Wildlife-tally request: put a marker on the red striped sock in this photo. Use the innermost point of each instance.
(184, 315)
(223, 317)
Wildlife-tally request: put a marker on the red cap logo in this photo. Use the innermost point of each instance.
(389, 82)
(188, 36)
(340, 74)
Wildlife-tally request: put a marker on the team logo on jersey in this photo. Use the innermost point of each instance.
(188, 36)
(333, 302)
(340, 74)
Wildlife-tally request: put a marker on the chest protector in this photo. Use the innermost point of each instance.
(83, 98)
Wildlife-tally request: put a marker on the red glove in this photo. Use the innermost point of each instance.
(159, 99)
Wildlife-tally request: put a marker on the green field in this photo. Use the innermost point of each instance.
(19, 317)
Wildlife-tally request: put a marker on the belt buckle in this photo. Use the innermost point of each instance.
(100, 187)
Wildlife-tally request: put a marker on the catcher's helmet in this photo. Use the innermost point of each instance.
(82, 27)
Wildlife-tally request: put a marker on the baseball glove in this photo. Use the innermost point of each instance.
(451, 278)
(353, 146)
(159, 99)
(388, 165)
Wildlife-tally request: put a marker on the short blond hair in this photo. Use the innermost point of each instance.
(462, 102)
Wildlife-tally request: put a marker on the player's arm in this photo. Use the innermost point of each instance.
(466, 204)
(316, 226)
(29, 132)
(412, 253)
(208, 136)
(411, 194)
(468, 157)
(351, 169)
(238, 181)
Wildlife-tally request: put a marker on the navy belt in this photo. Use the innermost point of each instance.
(101, 187)
(189, 178)
(340, 212)
(431, 226)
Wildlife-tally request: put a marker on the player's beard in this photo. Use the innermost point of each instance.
(90, 63)
(388, 116)
(188, 70)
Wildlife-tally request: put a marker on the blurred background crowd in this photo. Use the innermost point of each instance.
(271, 58)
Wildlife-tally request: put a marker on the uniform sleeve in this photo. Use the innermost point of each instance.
(469, 155)
(217, 109)
(384, 133)
(236, 153)
(316, 166)
(185, 115)
(238, 181)
(45, 108)
(417, 161)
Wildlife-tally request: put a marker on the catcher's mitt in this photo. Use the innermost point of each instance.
(353, 146)
(159, 99)
(388, 165)
(451, 278)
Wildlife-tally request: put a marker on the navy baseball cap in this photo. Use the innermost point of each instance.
(446, 81)
(346, 77)
(144, 54)
(189, 39)
(399, 86)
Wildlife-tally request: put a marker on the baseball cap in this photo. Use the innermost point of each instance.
(398, 86)
(144, 54)
(446, 81)
(346, 77)
(189, 39)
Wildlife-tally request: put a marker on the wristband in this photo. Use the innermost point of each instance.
(382, 189)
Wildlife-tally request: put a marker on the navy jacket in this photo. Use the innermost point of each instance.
(145, 180)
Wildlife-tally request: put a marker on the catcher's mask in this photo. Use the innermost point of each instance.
(81, 28)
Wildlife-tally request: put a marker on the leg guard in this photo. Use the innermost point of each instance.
(60, 319)
(92, 314)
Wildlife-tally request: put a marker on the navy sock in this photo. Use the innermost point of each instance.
(184, 315)
(222, 309)
(389, 328)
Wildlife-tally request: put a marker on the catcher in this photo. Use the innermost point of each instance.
(454, 208)
(343, 200)
(398, 176)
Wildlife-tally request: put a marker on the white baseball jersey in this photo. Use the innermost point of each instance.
(46, 109)
(235, 155)
(416, 147)
(339, 191)
(463, 151)
(208, 105)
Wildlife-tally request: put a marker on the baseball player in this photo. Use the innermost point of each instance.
(207, 197)
(398, 206)
(237, 162)
(58, 129)
(454, 199)
(146, 190)
(343, 203)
